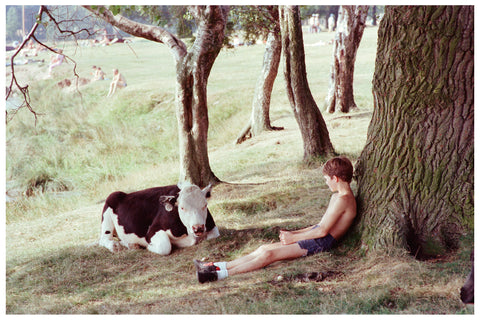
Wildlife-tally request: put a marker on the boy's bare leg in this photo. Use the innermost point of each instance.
(264, 256)
(252, 255)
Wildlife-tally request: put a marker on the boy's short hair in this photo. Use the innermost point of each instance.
(340, 167)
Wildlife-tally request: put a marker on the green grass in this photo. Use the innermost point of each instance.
(86, 146)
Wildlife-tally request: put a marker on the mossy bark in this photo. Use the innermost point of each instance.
(416, 173)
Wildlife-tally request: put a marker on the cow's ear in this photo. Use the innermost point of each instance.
(168, 202)
(207, 191)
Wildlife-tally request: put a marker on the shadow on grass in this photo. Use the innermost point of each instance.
(76, 279)
(81, 279)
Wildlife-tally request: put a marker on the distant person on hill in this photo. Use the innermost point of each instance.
(323, 236)
(331, 22)
(100, 75)
(56, 61)
(105, 41)
(30, 50)
(118, 81)
(30, 44)
(97, 73)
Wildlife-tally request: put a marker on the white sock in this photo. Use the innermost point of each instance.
(222, 274)
(222, 265)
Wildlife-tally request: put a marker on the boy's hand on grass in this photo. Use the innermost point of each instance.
(286, 237)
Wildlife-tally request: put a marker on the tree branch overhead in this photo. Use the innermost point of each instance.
(152, 33)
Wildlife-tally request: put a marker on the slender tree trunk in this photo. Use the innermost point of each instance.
(374, 15)
(416, 173)
(316, 140)
(350, 27)
(192, 112)
(260, 118)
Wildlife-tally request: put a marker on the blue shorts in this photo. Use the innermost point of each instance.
(318, 245)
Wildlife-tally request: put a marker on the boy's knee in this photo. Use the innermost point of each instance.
(262, 249)
(266, 253)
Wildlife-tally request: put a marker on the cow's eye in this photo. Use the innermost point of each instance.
(182, 208)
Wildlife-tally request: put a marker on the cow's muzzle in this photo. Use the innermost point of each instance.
(199, 230)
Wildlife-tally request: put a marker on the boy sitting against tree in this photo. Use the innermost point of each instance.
(323, 236)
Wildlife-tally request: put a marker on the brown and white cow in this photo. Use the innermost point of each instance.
(157, 218)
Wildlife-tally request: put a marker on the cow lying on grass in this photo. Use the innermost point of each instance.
(157, 218)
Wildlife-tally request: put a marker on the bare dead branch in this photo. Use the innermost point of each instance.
(67, 31)
(31, 35)
(23, 89)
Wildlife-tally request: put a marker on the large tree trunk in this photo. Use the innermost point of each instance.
(350, 27)
(260, 118)
(193, 69)
(415, 175)
(316, 140)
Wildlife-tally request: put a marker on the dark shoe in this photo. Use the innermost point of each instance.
(206, 272)
(205, 266)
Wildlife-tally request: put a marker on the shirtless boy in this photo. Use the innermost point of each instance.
(323, 236)
(56, 61)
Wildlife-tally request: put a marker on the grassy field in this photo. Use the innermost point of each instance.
(85, 146)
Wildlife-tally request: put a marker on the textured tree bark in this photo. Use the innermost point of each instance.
(260, 118)
(316, 139)
(350, 27)
(193, 68)
(193, 71)
(415, 174)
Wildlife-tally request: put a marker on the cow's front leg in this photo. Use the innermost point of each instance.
(160, 243)
(214, 233)
(106, 233)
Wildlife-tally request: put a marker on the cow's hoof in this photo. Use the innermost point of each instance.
(116, 247)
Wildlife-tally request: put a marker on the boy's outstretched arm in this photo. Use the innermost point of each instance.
(330, 218)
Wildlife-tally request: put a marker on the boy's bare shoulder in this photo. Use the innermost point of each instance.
(351, 203)
(341, 202)
(347, 196)
(347, 202)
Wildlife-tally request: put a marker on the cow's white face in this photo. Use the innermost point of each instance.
(192, 209)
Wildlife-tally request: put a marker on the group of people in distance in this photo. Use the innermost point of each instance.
(118, 80)
(57, 59)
